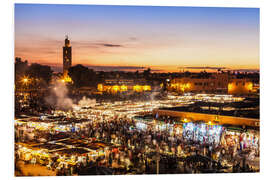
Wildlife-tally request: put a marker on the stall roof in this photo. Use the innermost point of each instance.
(72, 151)
(48, 146)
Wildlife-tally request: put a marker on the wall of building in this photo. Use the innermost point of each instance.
(198, 85)
(216, 83)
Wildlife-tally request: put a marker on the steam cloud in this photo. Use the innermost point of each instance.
(60, 100)
(58, 97)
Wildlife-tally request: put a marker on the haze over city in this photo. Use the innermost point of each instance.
(163, 38)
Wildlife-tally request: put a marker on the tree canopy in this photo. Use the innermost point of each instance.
(82, 76)
(40, 71)
(36, 74)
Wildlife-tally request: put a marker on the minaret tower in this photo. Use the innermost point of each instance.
(67, 61)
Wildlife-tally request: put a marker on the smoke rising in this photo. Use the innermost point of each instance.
(59, 98)
(86, 102)
(154, 93)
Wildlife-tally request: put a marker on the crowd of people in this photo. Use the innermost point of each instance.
(134, 151)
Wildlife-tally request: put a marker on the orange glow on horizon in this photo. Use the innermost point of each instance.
(165, 58)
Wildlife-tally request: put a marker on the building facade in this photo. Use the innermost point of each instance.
(114, 86)
(217, 82)
(240, 86)
(214, 83)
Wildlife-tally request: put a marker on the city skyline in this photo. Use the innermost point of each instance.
(166, 39)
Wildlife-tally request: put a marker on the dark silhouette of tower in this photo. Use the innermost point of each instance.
(67, 61)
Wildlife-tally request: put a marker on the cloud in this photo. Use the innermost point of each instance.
(202, 67)
(111, 45)
(222, 68)
(116, 68)
(90, 44)
(37, 48)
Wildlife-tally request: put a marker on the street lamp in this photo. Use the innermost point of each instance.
(25, 80)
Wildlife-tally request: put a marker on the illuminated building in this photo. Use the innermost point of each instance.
(67, 57)
(65, 79)
(215, 83)
(123, 85)
(240, 86)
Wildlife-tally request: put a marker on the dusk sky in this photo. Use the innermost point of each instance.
(162, 38)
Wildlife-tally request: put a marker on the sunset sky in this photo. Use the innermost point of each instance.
(131, 37)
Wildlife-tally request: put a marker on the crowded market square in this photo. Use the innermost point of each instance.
(128, 138)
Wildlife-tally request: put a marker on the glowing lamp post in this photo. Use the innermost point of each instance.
(25, 80)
